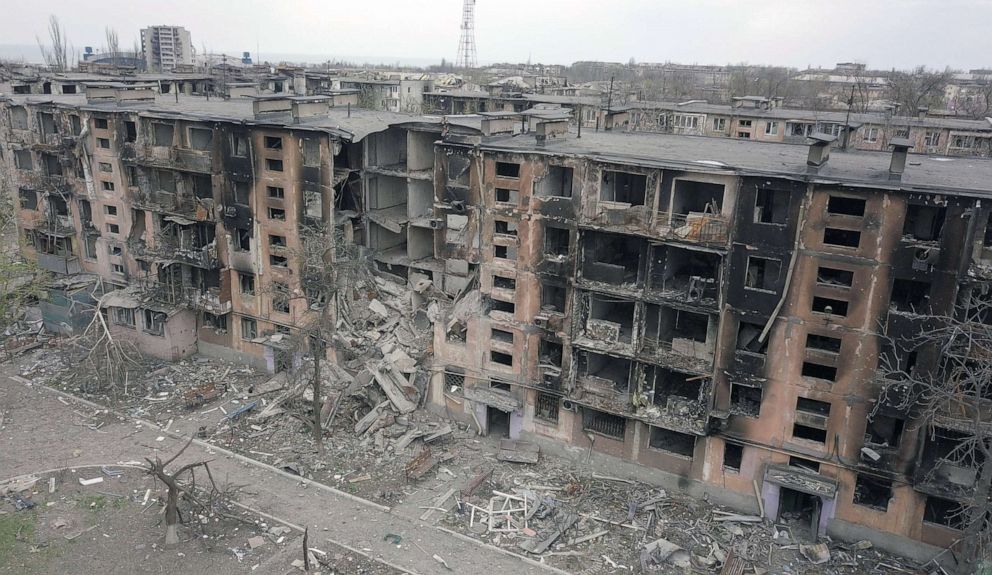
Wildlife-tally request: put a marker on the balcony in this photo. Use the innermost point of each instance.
(208, 301)
(186, 252)
(60, 226)
(697, 228)
(679, 353)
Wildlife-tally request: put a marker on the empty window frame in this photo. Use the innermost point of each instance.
(242, 193)
(275, 192)
(23, 160)
(154, 322)
(162, 134)
(924, 223)
(311, 153)
(503, 306)
(603, 423)
(278, 261)
(201, 138)
(802, 463)
(239, 145)
(910, 296)
(277, 241)
(830, 306)
(841, 237)
(107, 186)
(106, 167)
(771, 206)
(103, 143)
(546, 407)
(834, 277)
(130, 131)
(681, 444)
(823, 343)
(505, 227)
(503, 282)
(762, 273)
(556, 240)
(623, 187)
(100, 123)
(501, 335)
(872, 492)
(557, 183)
(280, 297)
(113, 229)
(273, 143)
(747, 338)
(123, 316)
(945, 512)
(505, 252)
(884, 430)
(28, 199)
(273, 165)
(819, 371)
(249, 328)
(846, 206)
(501, 358)
(277, 214)
(507, 196)
(553, 298)
(507, 170)
(246, 283)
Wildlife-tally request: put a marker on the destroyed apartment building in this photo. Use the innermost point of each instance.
(696, 311)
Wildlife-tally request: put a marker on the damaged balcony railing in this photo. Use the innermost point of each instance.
(56, 225)
(205, 299)
(186, 251)
(697, 227)
(688, 348)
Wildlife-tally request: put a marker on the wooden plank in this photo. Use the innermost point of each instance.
(437, 504)
(477, 482)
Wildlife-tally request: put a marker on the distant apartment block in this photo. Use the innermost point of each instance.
(165, 47)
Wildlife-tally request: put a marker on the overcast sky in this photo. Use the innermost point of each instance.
(882, 33)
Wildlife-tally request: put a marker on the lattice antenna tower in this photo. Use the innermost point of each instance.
(466, 42)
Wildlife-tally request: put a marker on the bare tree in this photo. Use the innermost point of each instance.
(948, 394)
(56, 55)
(977, 103)
(113, 45)
(918, 88)
(157, 468)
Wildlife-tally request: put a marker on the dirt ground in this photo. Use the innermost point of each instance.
(613, 523)
(109, 528)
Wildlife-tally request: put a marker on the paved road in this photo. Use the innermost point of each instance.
(42, 430)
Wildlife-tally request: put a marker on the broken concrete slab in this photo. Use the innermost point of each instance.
(518, 451)
(660, 551)
(395, 386)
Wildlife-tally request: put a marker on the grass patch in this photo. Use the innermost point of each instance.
(13, 526)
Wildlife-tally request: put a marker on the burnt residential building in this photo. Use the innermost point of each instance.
(709, 313)
(703, 313)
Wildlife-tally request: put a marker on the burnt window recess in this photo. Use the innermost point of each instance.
(247, 283)
(507, 170)
(242, 240)
(605, 373)
(273, 143)
(611, 258)
(553, 298)
(500, 385)
(807, 464)
(884, 430)
(273, 165)
(201, 138)
(608, 318)
(277, 241)
(623, 187)
(114, 250)
(239, 146)
(823, 343)
(505, 252)
(162, 134)
(154, 323)
(745, 400)
(696, 197)
(249, 328)
(556, 240)
(762, 273)
(457, 333)
(507, 196)
(503, 306)
(872, 492)
(811, 420)
(501, 358)
(674, 442)
(203, 187)
(277, 214)
(103, 143)
(733, 455)
(505, 227)
(215, 322)
(546, 407)
(130, 131)
(23, 160)
(51, 164)
(454, 378)
(681, 330)
(550, 353)
(48, 127)
(834, 277)
(845, 206)
(945, 512)
(100, 123)
(311, 153)
(830, 306)
(501, 335)
(501, 282)
(667, 383)
(747, 338)
(28, 199)
(841, 238)
(74, 125)
(604, 423)
(557, 183)
(275, 192)
(113, 228)
(131, 173)
(242, 192)
(58, 206)
(924, 223)
(910, 296)
(278, 261)
(819, 371)
(86, 211)
(771, 206)
(164, 180)
(106, 167)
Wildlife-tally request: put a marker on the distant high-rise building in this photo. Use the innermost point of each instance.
(165, 47)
